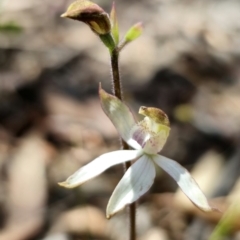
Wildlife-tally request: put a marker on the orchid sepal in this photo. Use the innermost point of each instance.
(120, 115)
(99, 165)
(136, 181)
(185, 181)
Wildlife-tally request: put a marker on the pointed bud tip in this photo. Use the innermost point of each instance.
(134, 32)
(103, 94)
(106, 97)
(109, 215)
(215, 209)
(113, 12)
(139, 25)
(62, 184)
(113, 6)
(64, 15)
(114, 29)
(65, 184)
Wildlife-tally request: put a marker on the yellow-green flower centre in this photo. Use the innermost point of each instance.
(151, 133)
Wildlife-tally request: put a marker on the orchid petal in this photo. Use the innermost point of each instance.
(136, 181)
(184, 180)
(141, 134)
(150, 133)
(120, 115)
(99, 165)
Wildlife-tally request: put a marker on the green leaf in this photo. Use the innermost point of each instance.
(114, 30)
(134, 32)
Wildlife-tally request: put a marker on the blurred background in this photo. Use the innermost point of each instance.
(187, 62)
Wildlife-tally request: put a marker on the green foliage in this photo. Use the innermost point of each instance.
(227, 224)
(134, 32)
(10, 27)
(114, 30)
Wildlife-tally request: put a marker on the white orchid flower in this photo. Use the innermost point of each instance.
(147, 138)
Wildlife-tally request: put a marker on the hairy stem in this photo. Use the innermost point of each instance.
(117, 88)
(117, 91)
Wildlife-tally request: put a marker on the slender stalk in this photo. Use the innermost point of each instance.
(117, 88)
(117, 91)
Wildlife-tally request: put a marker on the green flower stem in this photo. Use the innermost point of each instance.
(108, 41)
(117, 91)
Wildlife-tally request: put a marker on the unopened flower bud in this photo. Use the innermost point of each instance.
(113, 17)
(91, 14)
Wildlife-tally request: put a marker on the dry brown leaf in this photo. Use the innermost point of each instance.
(82, 220)
(26, 189)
